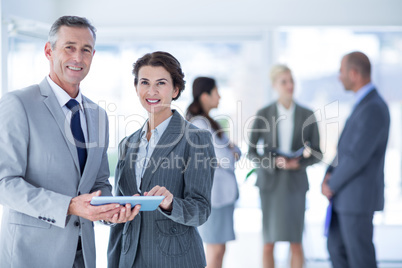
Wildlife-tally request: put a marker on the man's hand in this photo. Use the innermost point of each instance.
(325, 188)
(126, 213)
(166, 203)
(80, 206)
(287, 164)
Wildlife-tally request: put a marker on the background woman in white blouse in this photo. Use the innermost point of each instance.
(284, 126)
(219, 227)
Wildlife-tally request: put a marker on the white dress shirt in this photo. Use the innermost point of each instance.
(63, 98)
(285, 127)
(146, 148)
(362, 93)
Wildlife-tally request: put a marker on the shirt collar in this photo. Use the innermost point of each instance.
(363, 92)
(61, 95)
(159, 130)
(283, 110)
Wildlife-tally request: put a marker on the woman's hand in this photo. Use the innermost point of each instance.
(232, 147)
(166, 203)
(287, 164)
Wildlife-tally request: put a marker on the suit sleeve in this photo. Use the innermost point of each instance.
(313, 138)
(261, 126)
(15, 192)
(255, 135)
(115, 237)
(237, 150)
(102, 178)
(116, 231)
(368, 132)
(195, 206)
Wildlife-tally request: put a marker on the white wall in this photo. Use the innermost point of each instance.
(232, 13)
(236, 12)
(38, 10)
(149, 19)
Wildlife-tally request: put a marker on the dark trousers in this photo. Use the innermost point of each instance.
(79, 257)
(350, 241)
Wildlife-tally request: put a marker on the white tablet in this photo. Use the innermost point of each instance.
(147, 203)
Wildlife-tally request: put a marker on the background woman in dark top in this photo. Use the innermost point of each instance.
(219, 228)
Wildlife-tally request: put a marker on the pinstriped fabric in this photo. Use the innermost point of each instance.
(183, 163)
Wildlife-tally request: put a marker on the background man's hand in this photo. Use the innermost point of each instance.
(325, 190)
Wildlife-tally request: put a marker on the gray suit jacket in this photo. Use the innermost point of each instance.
(40, 173)
(265, 130)
(182, 162)
(357, 174)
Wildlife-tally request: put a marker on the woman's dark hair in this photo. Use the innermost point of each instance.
(165, 60)
(201, 85)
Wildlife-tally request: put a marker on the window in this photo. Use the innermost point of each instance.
(241, 69)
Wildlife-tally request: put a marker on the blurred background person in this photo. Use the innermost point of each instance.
(354, 182)
(219, 227)
(283, 126)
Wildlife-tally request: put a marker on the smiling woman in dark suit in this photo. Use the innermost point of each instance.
(287, 126)
(167, 157)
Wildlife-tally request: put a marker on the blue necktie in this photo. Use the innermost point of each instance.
(78, 135)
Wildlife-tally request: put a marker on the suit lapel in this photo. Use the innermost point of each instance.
(272, 116)
(297, 127)
(54, 107)
(355, 110)
(170, 138)
(92, 117)
(127, 177)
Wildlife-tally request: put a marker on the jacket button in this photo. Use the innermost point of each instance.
(173, 230)
(53, 221)
(40, 217)
(76, 223)
(44, 218)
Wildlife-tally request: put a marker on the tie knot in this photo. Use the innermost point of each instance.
(72, 104)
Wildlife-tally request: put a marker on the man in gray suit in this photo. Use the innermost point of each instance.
(53, 160)
(354, 183)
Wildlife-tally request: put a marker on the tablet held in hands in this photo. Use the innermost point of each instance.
(148, 203)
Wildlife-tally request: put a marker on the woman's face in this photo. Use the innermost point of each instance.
(214, 98)
(155, 90)
(284, 85)
(211, 101)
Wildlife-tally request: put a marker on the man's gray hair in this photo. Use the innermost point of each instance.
(70, 21)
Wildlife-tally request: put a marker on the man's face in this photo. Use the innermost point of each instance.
(344, 75)
(71, 57)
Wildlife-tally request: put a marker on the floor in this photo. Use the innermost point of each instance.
(245, 251)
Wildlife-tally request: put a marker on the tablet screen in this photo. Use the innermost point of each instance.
(148, 203)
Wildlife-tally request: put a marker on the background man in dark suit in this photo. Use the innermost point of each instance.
(355, 180)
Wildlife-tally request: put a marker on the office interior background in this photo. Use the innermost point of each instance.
(236, 42)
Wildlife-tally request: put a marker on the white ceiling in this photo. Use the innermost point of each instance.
(212, 13)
